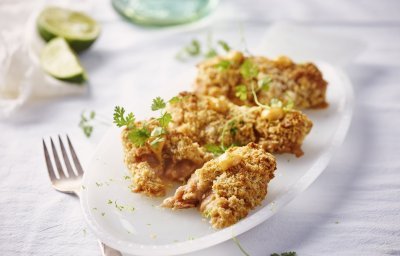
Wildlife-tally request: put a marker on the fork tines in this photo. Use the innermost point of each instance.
(68, 171)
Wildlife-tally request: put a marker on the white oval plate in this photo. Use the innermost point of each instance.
(151, 230)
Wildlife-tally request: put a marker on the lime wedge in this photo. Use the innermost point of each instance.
(59, 61)
(77, 28)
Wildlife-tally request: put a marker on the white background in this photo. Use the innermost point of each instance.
(352, 209)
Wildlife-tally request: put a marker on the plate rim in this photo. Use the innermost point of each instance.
(257, 218)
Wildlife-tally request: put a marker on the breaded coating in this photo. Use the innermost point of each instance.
(301, 84)
(210, 120)
(153, 167)
(226, 188)
(200, 121)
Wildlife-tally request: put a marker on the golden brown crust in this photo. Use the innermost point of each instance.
(301, 83)
(180, 156)
(202, 120)
(226, 188)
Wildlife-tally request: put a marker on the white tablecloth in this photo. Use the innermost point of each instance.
(352, 209)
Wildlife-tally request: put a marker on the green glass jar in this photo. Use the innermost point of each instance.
(164, 12)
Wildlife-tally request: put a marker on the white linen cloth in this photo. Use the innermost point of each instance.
(21, 76)
(352, 209)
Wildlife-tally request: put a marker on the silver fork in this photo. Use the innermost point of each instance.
(69, 181)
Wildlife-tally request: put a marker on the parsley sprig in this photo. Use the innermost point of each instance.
(89, 120)
(231, 127)
(158, 104)
(194, 49)
(139, 135)
(249, 70)
(120, 119)
(241, 92)
(86, 123)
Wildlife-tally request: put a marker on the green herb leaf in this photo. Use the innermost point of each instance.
(87, 130)
(224, 45)
(248, 69)
(158, 103)
(175, 99)
(232, 127)
(211, 53)
(264, 83)
(241, 92)
(165, 119)
(223, 65)
(120, 119)
(215, 149)
(92, 114)
(85, 123)
(194, 48)
(139, 136)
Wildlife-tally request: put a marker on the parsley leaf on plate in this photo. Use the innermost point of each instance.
(86, 123)
(248, 69)
(215, 149)
(158, 103)
(175, 99)
(165, 119)
(211, 53)
(139, 136)
(264, 84)
(224, 45)
(120, 119)
(193, 48)
(223, 65)
(241, 92)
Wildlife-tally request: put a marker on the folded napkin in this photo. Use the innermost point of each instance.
(21, 76)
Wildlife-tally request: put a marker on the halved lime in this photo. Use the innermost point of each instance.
(77, 28)
(58, 60)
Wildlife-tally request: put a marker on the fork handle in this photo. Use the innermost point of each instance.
(108, 251)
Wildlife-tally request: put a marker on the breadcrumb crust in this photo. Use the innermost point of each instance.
(301, 83)
(227, 195)
(202, 120)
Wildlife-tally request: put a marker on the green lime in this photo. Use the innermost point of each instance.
(77, 28)
(58, 60)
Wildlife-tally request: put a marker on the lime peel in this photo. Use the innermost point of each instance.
(59, 61)
(78, 29)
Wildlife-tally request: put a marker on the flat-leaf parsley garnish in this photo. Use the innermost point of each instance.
(194, 49)
(249, 69)
(140, 134)
(231, 127)
(241, 92)
(86, 123)
(264, 83)
(158, 103)
(224, 45)
(215, 149)
(175, 99)
(223, 65)
(120, 119)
